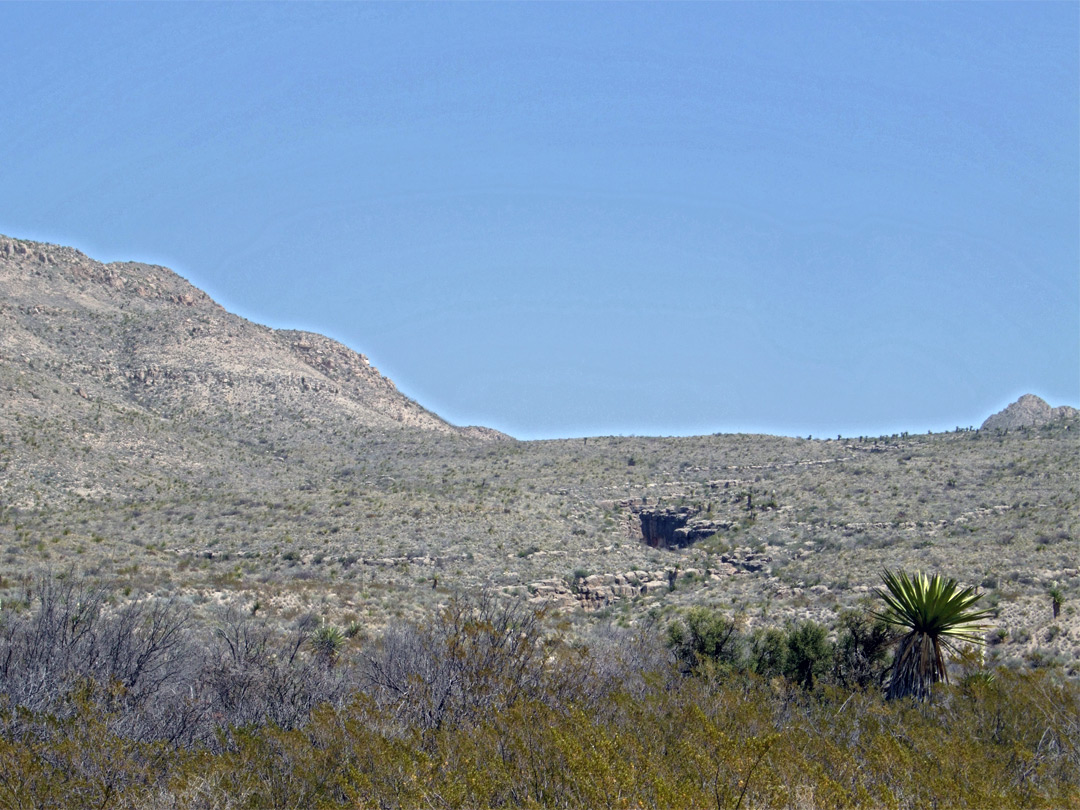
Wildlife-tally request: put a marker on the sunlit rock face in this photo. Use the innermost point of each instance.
(1029, 411)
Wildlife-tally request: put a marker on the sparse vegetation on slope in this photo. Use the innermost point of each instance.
(221, 544)
(219, 481)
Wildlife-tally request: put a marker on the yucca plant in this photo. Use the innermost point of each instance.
(1057, 597)
(937, 614)
(327, 641)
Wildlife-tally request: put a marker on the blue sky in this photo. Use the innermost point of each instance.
(578, 219)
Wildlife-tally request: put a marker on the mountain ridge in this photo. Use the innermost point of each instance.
(176, 347)
(215, 358)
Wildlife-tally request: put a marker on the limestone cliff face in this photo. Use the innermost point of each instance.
(1029, 411)
(676, 527)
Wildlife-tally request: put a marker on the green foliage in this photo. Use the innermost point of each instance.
(861, 653)
(705, 637)
(937, 615)
(1009, 742)
(326, 642)
(706, 641)
(767, 649)
(807, 653)
(802, 653)
(479, 705)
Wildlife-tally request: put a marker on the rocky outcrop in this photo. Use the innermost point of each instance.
(599, 590)
(1029, 411)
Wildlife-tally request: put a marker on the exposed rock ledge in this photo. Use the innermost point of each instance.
(676, 527)
(598, 590)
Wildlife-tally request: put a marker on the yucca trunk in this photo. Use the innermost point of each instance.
(918, 666)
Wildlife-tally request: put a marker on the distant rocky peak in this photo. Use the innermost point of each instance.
(1028, 411)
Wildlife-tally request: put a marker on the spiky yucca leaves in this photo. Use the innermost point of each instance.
(937, 614)
(327, 641)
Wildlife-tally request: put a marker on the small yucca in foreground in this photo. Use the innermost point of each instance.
(937, 614)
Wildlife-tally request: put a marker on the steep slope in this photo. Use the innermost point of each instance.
(143, 333)
(130, 362)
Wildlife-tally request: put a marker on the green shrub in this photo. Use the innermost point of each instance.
(706, 637)
(807, 653)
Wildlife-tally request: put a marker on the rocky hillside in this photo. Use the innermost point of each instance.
(132, 360)
(141, 334)
(1029, 411)
(153, 440)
